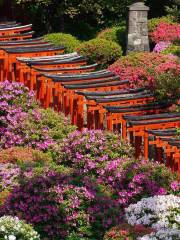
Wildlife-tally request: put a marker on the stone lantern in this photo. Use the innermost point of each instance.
(137, 34)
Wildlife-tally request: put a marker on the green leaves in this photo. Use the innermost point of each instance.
(61, 39)
(102, 51)
(168, 85)
(53, 15)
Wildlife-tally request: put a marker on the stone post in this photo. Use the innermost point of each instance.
(137, 34)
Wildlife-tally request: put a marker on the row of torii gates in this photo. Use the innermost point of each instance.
(92, 99)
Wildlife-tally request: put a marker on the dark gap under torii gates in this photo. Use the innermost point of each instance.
(6, 10)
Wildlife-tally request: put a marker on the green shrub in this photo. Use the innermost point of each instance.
(58, 125)
(115, 34)
(55, 125)
(101, 51)
(172, 49)
(154, 22)
(167, 85)
(173, 10)
(67, 40)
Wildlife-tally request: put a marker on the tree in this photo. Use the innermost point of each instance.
(174, 10)
(80, 17)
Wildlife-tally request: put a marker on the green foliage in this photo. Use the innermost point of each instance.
(102, 51)
(59, 126)
(158, 8)
(116, 34)
(55, 16)
(174, 10)
(67, 15)
(61, 39)
(75, 236)
(38, 2)
(178, 132)
(167, 85)
(172, 49)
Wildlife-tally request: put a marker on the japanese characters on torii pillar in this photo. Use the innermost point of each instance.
(137, 36)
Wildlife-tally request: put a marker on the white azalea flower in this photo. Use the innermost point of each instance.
(157, 212)
(12, 237)
(12, 227)
(2, 229)
(164, 234)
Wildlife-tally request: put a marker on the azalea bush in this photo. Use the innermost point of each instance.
(16, 163)
(108, 159)
(18, 109)
(11, 228)
(157, 212)
(153, 23)
(116, 34)
(175, 108)
(9, 175)
(58, 125)
(86, 150)
(167, 84)
(143, 68)
(134, 67)
(168, 48)
(165, 234)
(101, 51)
(125, 231)
(166, 32)
(130, 180)
(13, 174)
(60, 205)
(161, 46)
(173, 49)
(62, 39)
(19, 128)
(24, 156)
(139, 232)
(23, 123)
(86, 193)
(46, 128)
(16, 94)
